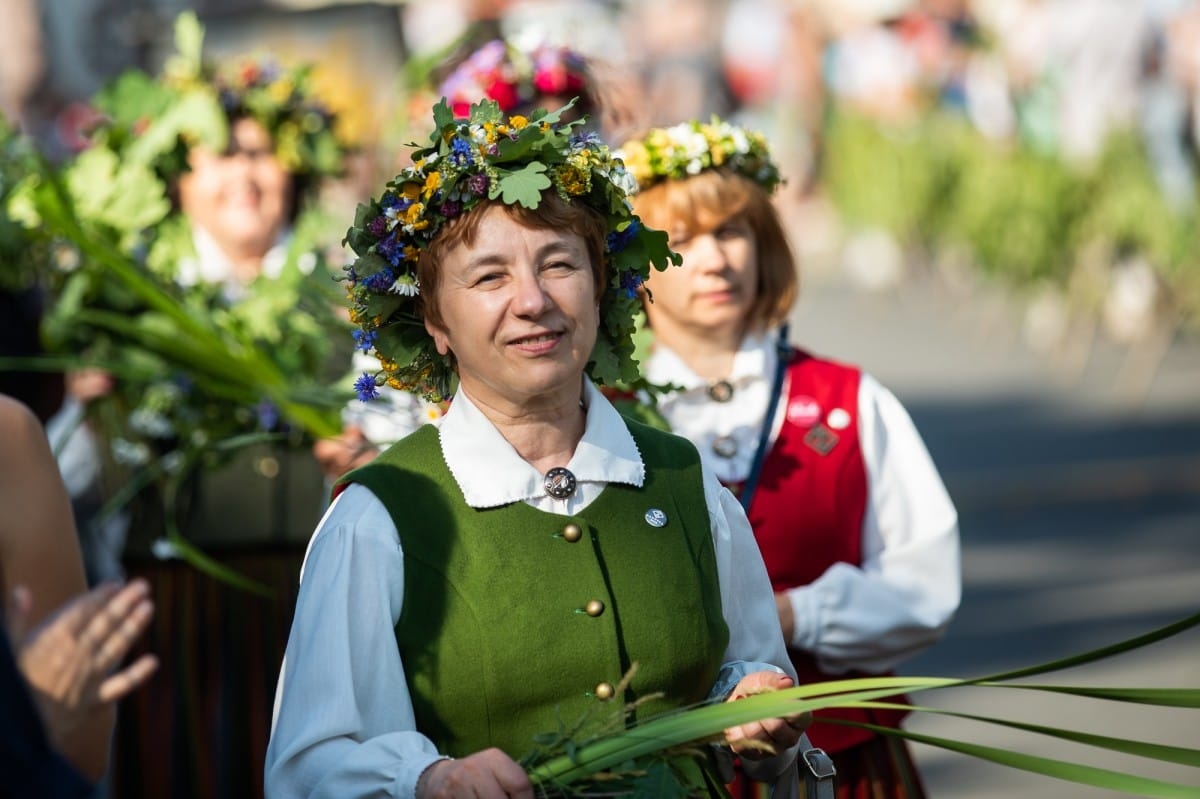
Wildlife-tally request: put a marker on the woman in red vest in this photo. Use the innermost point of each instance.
(858, 534)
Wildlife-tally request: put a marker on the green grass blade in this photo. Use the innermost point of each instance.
(1128, 645)
(1163, 697)
(196, 558)
(1050, 767)
(1152, 751)
(703, 722)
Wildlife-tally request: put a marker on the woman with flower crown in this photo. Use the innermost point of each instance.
(519, 77)
(535, 564)
(855, 526)
(214, 167)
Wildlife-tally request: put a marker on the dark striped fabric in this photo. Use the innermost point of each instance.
(200, 727)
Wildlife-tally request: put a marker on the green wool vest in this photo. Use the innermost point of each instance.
(516, 624)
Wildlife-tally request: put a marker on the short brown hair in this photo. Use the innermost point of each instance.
(552, 213)
(702, 202)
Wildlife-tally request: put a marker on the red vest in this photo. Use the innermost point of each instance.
(807, 512)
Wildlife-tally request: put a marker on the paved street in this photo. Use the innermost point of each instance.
(1079, 498)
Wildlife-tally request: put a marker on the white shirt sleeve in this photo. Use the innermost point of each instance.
(75, 447)
(909, 586)
(755, 641)
(343, 725)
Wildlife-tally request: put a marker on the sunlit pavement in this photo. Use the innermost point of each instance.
(1079, 501)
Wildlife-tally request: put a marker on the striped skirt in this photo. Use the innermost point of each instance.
(199, 728)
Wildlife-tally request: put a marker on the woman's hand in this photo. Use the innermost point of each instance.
(489, 774)
(69, 660)
(762, 739)
(89, 384)
(337, 455)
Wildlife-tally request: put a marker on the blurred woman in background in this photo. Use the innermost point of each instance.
(858, 534)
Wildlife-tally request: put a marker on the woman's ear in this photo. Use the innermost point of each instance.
(441, 338)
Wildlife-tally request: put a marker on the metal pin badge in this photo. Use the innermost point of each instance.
(559, 483)
(838, 419)
(656, 518)
(725, 446)
(720, 391)
(821, 439)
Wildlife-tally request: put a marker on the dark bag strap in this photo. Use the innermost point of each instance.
(783, 352)
(818, 770)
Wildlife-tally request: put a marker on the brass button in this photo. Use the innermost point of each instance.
(605, 691)
(572, 533)
(267, 466)
(594, 608)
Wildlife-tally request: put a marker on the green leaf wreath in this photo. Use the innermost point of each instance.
(513, 160)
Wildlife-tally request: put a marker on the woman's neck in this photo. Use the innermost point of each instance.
(543, 434)
(243, 259)
(709, 354)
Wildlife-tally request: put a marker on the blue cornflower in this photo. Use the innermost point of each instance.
(391, 249)
(619, 240)
(268, 415)
(364, 340)
(381, 281)
(630, 283)
(365, 386)
(585, 139)
(461, 152)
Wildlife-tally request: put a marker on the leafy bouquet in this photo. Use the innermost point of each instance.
(642, 760)
(197, 374)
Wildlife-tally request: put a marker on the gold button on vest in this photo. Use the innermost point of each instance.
(572, 533)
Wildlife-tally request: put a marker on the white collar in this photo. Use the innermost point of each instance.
(212, 266)
(756, 357)
(490, 473)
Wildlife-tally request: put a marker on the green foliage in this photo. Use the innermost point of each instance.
(21, 257)
(198, 374)
(522, 186)
(1023, 214)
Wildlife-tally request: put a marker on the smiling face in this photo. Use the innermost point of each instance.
(518, 308)
(242, 197)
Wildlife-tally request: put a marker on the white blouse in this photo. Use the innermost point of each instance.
(343, 724)
(902, 598)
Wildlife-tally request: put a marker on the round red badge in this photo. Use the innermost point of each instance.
(803, 411)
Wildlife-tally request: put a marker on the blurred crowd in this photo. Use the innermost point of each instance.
(1060, 73)
(1035, 92)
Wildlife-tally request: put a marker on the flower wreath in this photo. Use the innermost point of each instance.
(513, 76)
(156, 119)
(513, 160)
(686, 149)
